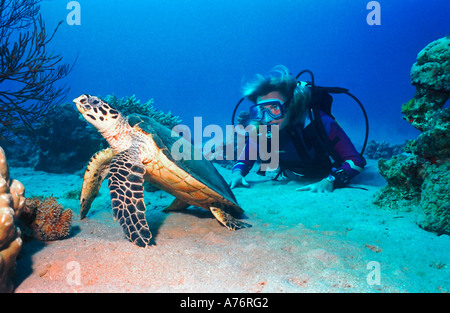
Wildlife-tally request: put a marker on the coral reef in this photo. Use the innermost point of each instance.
(421, 179)
(62, 146)
(46, 218)
(23, 153)
(382, 149)
(67, 143)
(129, 105)
(11, 204)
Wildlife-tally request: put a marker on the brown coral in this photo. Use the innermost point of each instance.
(47, 219)
(11, 203)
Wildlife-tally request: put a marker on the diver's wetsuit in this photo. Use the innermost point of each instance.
(317, 163)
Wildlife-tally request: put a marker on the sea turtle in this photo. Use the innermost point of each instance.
(140, 149)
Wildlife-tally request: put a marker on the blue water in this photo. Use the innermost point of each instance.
(193, 56)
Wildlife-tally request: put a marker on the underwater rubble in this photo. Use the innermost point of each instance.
(420, 180)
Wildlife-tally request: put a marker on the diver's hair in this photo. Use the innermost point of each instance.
(286, 84)
(298, 107)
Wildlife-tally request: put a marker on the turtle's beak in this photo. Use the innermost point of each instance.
(80, 102)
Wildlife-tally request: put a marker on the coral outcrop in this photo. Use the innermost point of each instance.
(11, 203)
(420, 181)
(129, 105)
(430, 75)
(46, 218)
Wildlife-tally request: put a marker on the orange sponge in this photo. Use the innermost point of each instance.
(47, 218)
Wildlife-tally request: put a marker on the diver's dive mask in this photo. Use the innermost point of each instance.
(267, 110)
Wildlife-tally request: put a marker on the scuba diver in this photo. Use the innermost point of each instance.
(311, 143)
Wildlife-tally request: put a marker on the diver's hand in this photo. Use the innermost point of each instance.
(238, 180)
(320, 187)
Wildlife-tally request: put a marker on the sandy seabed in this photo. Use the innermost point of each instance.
(298, 242)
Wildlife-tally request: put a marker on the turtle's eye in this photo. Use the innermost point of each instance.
(83, 101)
(93, 100)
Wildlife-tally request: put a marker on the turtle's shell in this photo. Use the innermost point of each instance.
(202, 170)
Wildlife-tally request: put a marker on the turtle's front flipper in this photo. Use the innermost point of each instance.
(127, 196)
(96, 172)
(226, 219)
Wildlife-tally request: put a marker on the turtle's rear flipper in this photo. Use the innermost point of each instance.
(227, 220)
(127, 196)
(94, 175)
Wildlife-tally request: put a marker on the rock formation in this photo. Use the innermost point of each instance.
(420, 181)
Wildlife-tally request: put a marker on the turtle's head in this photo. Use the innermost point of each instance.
(97, 112)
